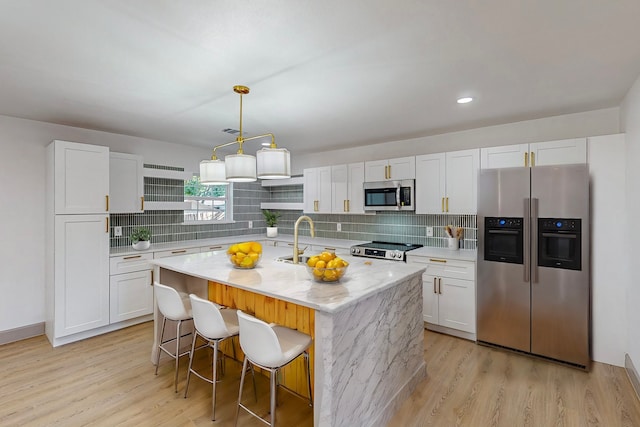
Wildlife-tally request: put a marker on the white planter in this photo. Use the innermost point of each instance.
(272, 231)
(141, 245)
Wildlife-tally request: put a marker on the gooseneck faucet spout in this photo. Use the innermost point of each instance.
(296, 252)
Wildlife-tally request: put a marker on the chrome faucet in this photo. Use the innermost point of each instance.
(296, 252)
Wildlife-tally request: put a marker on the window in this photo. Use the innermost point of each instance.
(209, 203)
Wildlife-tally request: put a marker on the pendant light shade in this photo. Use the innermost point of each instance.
(273, 163)
(212, 172)
(240, 168)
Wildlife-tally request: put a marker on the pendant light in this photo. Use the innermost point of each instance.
(271, 162)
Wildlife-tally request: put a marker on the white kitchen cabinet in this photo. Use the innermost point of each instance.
(80, 275)
(317, 190)
(81, 178)
(449, 297)
(447, 182)
(346, 188)
(126, 183)
(130, 287)
(390, 169)
(566, 151)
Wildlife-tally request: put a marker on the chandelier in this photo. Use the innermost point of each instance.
(269, 163)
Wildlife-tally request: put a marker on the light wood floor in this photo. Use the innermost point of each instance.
(109, 381)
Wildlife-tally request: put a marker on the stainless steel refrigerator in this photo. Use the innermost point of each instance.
(533, 289)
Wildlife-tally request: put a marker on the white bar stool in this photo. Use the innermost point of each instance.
(270, 347)
(173, 307)
(214, 325)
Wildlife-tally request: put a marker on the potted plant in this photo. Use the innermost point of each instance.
(140, 238)
(272, 222)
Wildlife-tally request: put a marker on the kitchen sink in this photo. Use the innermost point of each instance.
(289, 259)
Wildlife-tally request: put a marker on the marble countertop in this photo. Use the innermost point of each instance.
(365, 277)
(186, 244)
(461, 255)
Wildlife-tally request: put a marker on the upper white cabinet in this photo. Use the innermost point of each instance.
(346, 188)
(566, 151)
(391, 169)
(81, 178)
(126, 183)
(317, 190)
(447, 182)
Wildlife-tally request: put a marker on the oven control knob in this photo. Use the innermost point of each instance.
(355, 250)
(397, 254)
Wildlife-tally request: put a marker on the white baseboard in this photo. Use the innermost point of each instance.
(633, 374)
(21, 333)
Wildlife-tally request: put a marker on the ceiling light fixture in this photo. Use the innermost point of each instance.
(465, 100)
(269, 163)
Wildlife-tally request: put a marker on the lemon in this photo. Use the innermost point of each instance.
(311, 262)
(256, 247)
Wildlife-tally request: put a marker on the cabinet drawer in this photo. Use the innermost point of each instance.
(129, 263)
(175, 252)
(213, 248)
(464, 270)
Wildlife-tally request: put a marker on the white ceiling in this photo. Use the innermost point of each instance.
(323, 73)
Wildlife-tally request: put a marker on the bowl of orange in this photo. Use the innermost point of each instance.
(326, 267)
(245, 255)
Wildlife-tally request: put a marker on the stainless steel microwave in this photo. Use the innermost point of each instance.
(389, 195)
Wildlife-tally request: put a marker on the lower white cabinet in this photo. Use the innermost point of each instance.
(130, 287)
(449, 295)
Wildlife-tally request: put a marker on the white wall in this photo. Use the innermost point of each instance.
(630, 122)
(591, 123)
(22, 186)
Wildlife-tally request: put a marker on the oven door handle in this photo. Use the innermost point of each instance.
(511, 232)
(560, 235)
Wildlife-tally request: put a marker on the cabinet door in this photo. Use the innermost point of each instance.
(430, 298)
(81, 263)
(461, 181)
(131, 296)
(339, 188)
(81, 178)
(317, 190)
(562, 152)
(430, 183)
(508, 156)
(126, 183)
(355, 179)
(402, 168)
(310, 190)
(457, 304)
(375, 170)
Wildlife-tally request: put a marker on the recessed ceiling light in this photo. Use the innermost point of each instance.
(464, 100)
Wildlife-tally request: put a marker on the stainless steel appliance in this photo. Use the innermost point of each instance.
(383, 250)
(390, 195)
(533, 290)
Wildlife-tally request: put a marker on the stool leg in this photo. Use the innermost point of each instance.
(193, 350)
(244, 370)
(215, 379)
(164, 322)
(274, 374)
(306, 358)
(175, 376)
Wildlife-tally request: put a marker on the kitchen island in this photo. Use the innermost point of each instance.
(367, 329)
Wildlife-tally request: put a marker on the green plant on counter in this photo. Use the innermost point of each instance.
(140, 234)
(271, 217)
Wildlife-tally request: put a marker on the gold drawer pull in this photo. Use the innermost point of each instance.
(107, 200)
(132, 257)
(179, 252)
(142, 203)
(215, 247)
(437, 260)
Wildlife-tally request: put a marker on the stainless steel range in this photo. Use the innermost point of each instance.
(383, 250)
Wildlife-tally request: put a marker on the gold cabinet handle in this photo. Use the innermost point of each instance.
(151, 277)
(434, 286)
(526, 159)
(315, 206)
(344, 206)
(533, 159)
(106, 229)
(437, 260)
(442, 208)
(330, 249)
(389, 172)
(142, 203)
(132, 257)
(214, 247)
(179, 252)
(440, 285)
(107, 200)
(447, 204)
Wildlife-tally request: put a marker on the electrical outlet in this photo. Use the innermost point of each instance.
(429, 231)
(250, 224)
(338, 227)
(117, 231)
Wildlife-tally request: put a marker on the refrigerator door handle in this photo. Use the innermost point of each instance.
(526, 239)
(534, 240)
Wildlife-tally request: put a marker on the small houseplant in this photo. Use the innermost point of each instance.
(272, 222)
(140, 238)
